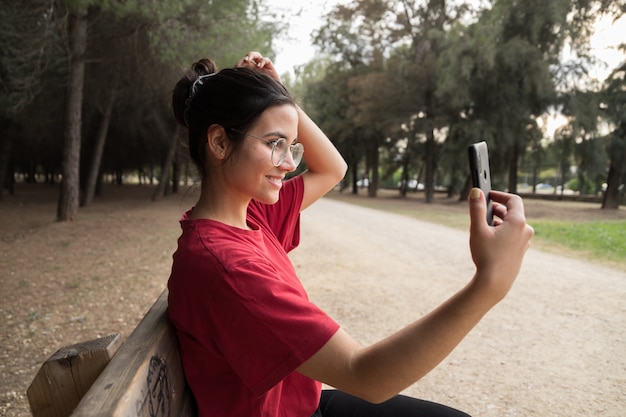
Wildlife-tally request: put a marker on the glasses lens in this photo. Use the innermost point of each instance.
(297, 151)
(279, 151)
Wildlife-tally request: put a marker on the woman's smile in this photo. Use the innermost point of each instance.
(276, 180)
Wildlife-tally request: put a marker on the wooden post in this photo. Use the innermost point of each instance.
(68, 374)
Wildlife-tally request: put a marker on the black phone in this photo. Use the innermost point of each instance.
(480, 172)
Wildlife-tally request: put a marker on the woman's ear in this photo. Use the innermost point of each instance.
(217, 141)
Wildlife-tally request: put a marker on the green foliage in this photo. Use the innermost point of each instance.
(135, 51)
(574, 184)
(603, 240)
(27, 35)
(408, 83)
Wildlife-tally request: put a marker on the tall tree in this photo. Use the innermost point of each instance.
(326, 100)
(70, 186)
(583, 110)
(615, 100)
(509, 68)
(366, 31)
(27, 39)
(424, 25)
(175, 33)
(357, 37)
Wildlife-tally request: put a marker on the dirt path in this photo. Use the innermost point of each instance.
(554, 347)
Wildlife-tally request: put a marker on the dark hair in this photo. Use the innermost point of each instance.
(233, 98)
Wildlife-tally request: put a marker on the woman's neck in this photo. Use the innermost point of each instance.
(220, 206)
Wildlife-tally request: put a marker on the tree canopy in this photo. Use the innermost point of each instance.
(86, 86)
(456, 75)
(401, 86)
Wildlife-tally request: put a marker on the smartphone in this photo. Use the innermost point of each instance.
(481, 175)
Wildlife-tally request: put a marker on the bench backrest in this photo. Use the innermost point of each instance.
(145, 377)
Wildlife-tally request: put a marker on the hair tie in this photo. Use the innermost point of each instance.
(199, 81)
(192, 92)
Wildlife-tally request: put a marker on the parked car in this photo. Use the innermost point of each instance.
(412, 185)
(544, 188)
(363, 183)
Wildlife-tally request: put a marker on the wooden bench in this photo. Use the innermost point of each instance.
(143, 377)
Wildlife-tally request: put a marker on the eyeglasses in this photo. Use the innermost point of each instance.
(280, 147)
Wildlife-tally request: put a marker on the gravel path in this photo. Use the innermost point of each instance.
(554, 347)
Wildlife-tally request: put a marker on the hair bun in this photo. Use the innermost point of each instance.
(205, 66)
(182, 90)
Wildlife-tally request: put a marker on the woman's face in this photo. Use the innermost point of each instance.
(249, 170)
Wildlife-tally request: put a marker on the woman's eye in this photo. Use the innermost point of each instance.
(279, 143)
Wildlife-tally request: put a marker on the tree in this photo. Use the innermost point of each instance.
(356, 37)
(506, 67)
(583, 111)
(174, 31)
(69, 196)
(615, 109)
(326, 99)
(424, 25)
(564, 142)
(364, 34)
(27, 39)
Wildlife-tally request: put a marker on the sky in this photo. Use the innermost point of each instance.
(604, 42)
(305, 17)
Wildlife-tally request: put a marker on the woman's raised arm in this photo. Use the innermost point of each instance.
(326, 166)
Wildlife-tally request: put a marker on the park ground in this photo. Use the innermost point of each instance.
(63, 283)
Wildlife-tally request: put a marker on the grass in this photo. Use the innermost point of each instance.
(579, 230)
(604, 240)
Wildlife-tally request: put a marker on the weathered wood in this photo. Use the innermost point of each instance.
(145, 378)
(68, 374)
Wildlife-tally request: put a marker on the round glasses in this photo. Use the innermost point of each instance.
(280, 147)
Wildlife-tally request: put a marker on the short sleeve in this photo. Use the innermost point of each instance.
(283, 217)
(266, 327)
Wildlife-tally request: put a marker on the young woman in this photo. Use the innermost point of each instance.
(252, 343)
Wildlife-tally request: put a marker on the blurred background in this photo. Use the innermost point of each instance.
(401, 87)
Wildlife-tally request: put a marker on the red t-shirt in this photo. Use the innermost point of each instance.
(243, 319)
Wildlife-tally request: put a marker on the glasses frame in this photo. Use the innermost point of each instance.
(291, 148)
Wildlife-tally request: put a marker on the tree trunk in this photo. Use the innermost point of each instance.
(161, 188)
(372, 188)
(513, 169)
(354, 169)
(429, 163)
(69, 196)
(175, 173)
(610, 200)
(617, 152)
(6, 141)
(404, 178)
(96, 158)
(467, 186)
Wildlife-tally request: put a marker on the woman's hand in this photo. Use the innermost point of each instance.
(254, 60)
(498, 251)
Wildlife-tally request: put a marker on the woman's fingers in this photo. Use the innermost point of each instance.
(254, 60)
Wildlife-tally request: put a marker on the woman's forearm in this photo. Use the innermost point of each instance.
(378, 372)
(394, 363)
(326, 166)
